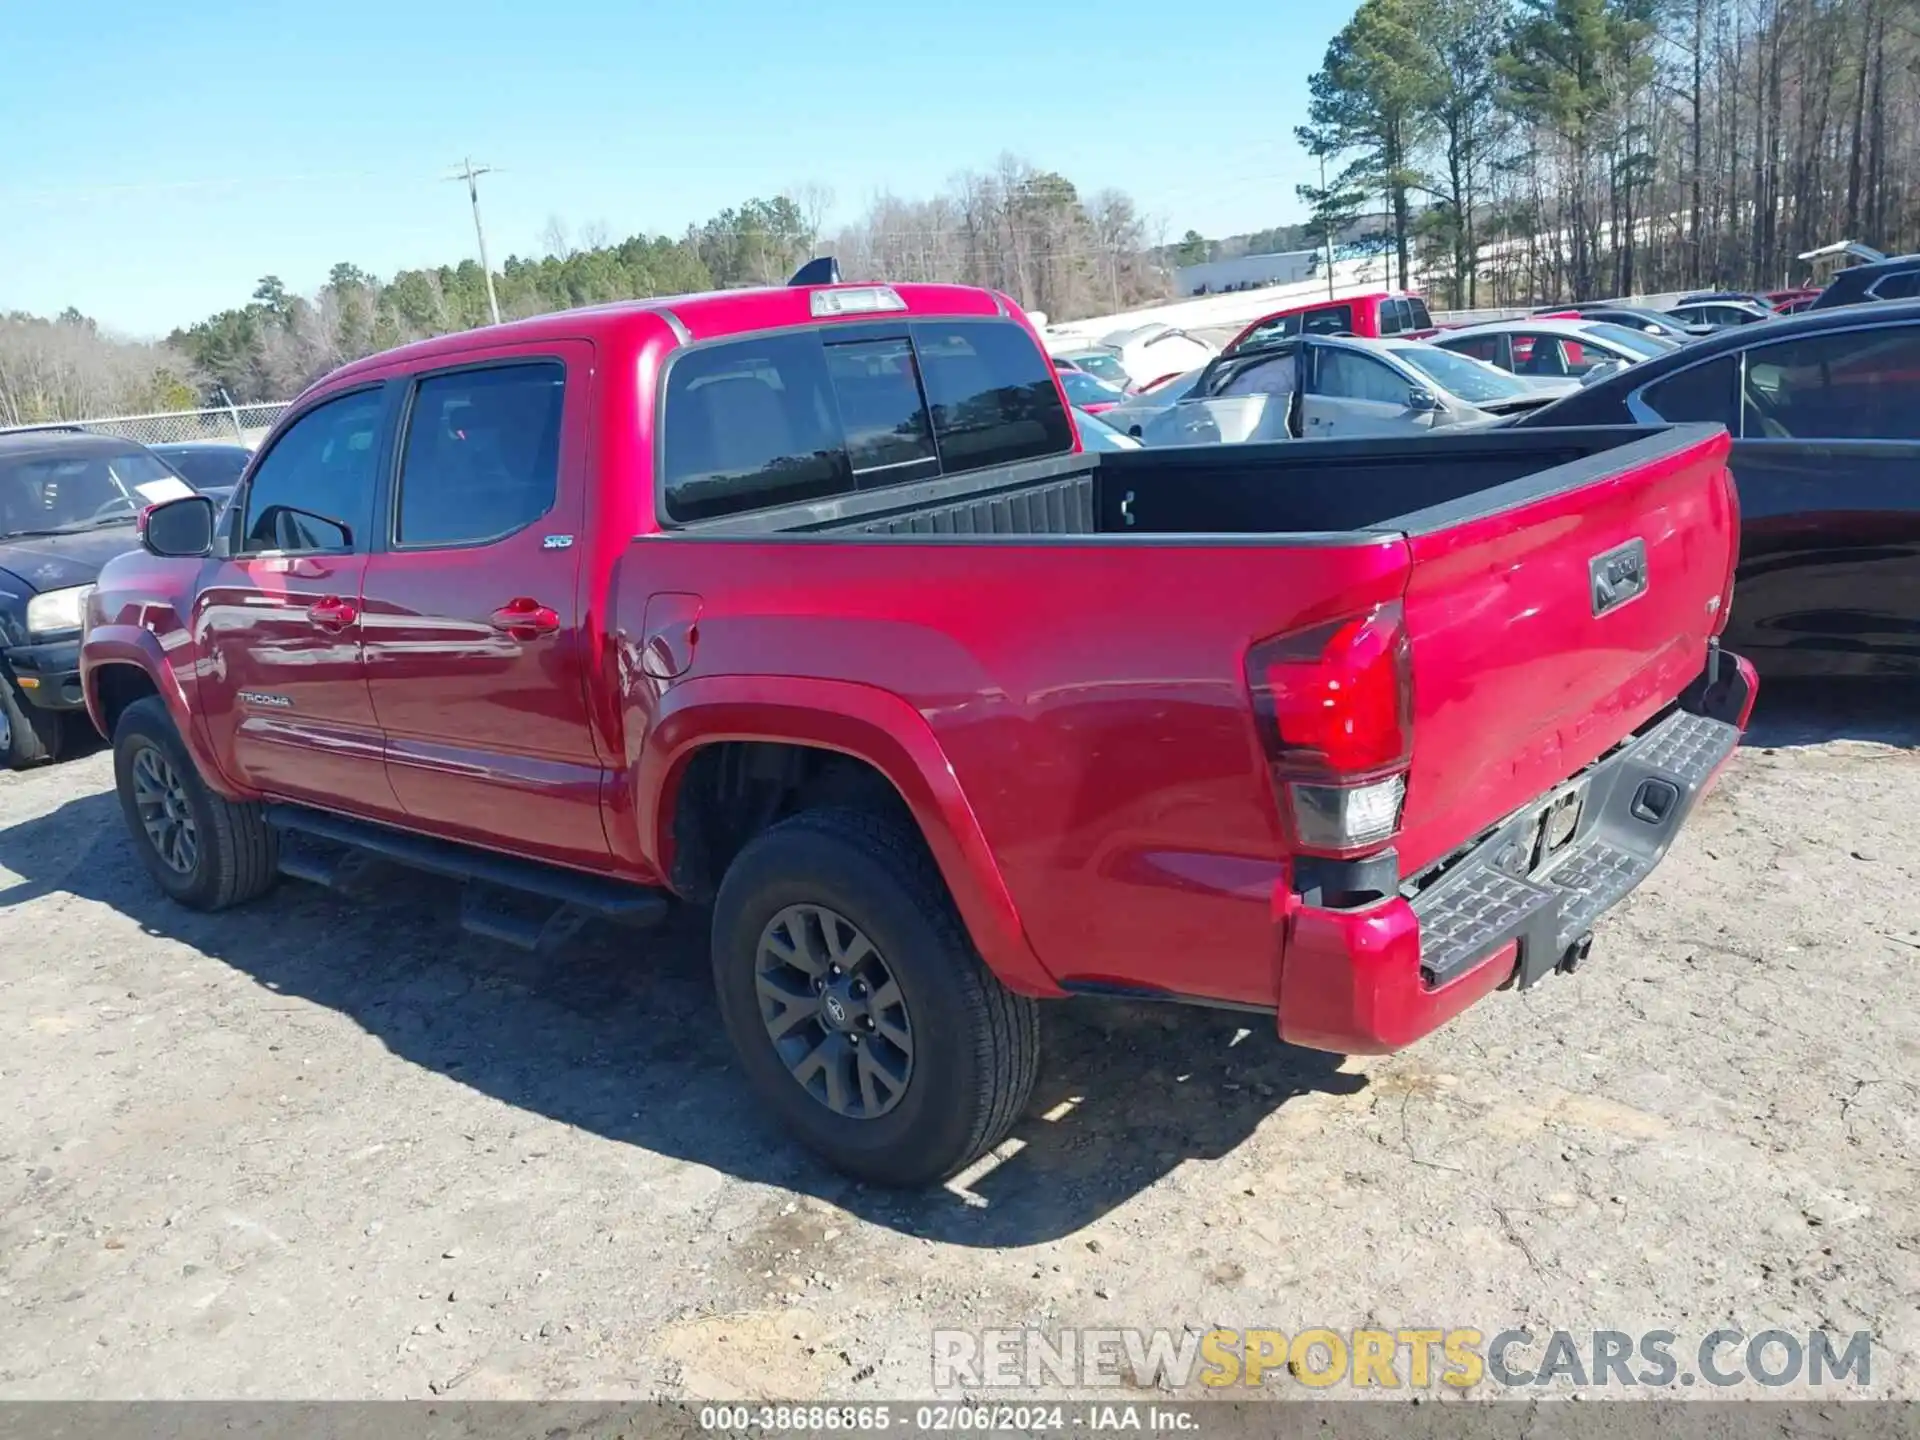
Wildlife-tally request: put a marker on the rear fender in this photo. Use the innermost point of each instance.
(870, 725)
(133, 645)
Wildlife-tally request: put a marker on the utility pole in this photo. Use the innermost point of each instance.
(1327, 228)
(471, 173)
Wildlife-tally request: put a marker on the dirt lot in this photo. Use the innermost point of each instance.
(315, 1149)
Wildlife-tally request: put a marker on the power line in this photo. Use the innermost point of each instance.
(471, 174)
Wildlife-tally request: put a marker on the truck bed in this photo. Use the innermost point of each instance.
(1311, 489)
(1075, 637)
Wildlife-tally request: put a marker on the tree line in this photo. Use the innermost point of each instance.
(1567, 149)
(1017, 228)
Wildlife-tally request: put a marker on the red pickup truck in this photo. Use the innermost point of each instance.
(805, 605)
(1375, 316)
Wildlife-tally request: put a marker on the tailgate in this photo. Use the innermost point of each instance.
(1551, 617)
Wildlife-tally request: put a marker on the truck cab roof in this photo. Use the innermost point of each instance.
(692, 318)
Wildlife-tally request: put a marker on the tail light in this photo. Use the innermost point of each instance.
(1334, 708)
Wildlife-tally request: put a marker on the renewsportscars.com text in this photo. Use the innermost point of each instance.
(1414, 1358)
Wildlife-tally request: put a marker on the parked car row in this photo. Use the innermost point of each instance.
(69, 501)
(1823, 406)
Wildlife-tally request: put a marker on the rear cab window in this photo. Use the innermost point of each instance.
(808, 415)
(1328, 320)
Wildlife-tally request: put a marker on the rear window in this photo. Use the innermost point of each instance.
(752, 424)
(1418, 315)
(1328, 320)
(809, 415)
(992, 394)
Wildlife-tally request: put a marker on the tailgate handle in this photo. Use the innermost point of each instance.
(1126, 508)
(1618, 575)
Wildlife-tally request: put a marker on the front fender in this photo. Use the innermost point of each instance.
(134, 645)
(868, 724)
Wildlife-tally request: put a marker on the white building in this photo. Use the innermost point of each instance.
(1246, 272)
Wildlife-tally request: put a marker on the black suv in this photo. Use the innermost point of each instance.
(1895, 279)
(68, 502)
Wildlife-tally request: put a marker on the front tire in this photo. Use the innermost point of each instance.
(29, 736)
(205, 851)
(858, 1006)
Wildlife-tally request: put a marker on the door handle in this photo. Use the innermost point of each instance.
(333, 613)
(526, 619)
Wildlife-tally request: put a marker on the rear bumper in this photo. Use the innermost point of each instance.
(1374, 979)
(48, 675)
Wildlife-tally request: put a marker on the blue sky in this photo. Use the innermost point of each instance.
(161, 158)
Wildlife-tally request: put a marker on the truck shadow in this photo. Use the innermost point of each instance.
(619, 1035)
(1793, 713)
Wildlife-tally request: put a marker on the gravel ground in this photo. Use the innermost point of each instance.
(320, 1149)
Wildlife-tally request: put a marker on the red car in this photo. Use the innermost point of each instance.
(1383, 313)
(1793, 301)
(1086, 391)
(804, 605)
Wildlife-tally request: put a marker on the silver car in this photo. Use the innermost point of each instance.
(1554, 349)
(1324, 386)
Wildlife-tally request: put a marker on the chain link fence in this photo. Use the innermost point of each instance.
(244, 424)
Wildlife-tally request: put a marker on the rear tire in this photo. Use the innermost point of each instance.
(29, 736)
(967, 1047)
(206, 852)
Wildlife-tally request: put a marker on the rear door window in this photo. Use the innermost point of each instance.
(992, 394)
(1698, 393)
(1849, 385)
(482, 455)
(1480, 347)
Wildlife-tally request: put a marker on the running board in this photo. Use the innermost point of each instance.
(578, 895)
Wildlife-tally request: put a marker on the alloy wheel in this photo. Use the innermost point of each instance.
(834, 1012)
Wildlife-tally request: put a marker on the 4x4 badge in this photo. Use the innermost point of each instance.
(1618, 575)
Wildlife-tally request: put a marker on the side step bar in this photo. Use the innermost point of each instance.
(577, 895)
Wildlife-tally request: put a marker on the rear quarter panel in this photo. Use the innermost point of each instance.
(1083, 704)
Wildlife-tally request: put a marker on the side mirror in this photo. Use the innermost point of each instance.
(178, 528)
(1422, 401)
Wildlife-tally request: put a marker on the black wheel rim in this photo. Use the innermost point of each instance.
(165, 813)
(834, 1012)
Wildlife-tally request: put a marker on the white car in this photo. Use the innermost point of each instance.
(1326, 387)
(1096, 434)
(1137, 410)
(1151, 353)
(1554, 349)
